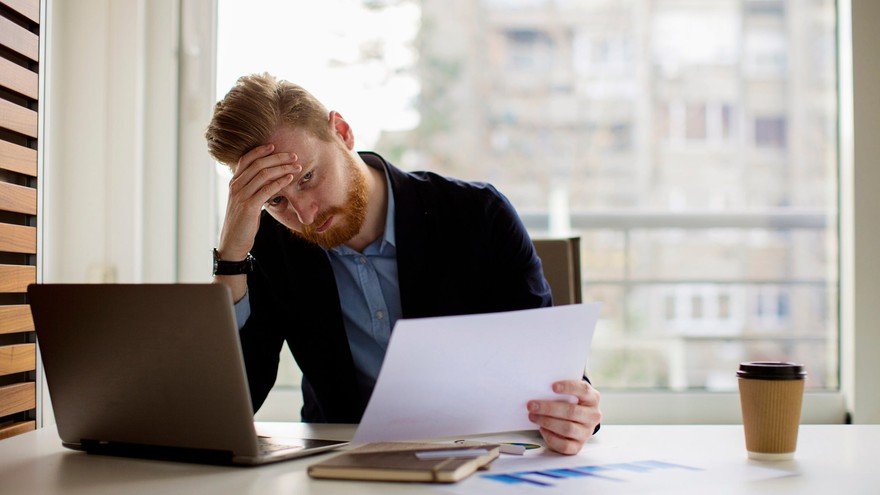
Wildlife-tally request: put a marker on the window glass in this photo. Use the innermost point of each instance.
(691, 145)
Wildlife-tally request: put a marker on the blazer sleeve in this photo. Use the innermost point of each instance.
(261, 338)
(516, 269)
(260, 343)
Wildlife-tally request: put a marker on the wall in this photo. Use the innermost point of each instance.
(860, 235)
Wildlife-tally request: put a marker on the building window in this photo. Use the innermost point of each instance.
(601, 54)
(726, 121)
(696, 307)
(528, 49)
(680, 123)
(782, 310)
(724, 306)
(695, 125)
(670, 307)
(770, 132)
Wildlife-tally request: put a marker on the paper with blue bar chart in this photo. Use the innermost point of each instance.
(599, 469)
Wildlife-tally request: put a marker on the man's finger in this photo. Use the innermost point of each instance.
(260, 170)
(261, 162)
(263, 177)
(270, 189)
(248, 158)
(585, 393)
(560, 444)
(563, 410)
(563, 428)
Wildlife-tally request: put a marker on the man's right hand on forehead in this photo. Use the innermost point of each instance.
(261, 157)
(260, 174)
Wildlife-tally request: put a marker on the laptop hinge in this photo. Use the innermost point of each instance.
(181, 454)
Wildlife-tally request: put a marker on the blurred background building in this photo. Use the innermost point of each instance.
(692, 144)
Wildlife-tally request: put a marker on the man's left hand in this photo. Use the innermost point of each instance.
(565, 426)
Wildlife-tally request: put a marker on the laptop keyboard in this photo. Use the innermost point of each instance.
(267, 447)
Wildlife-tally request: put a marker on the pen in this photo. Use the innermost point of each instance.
(513, 448)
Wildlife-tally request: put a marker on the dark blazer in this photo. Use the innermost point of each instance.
(461, 249)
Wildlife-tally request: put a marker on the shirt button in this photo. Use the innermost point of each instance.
(362, 260)
(380, 314)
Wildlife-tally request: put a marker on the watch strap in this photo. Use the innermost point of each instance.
(223, 267)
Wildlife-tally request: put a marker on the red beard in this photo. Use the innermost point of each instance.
(348, 218)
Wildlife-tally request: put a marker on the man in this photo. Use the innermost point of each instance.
(326, 248)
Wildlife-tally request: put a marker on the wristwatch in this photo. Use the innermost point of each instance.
(222, 267)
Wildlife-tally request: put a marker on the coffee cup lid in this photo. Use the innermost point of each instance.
(771, 370)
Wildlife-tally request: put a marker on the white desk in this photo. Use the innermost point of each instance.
(835, 459)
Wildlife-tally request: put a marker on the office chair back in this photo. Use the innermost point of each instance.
(560, 258)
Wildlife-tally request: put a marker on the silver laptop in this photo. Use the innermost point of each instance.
(152, 371)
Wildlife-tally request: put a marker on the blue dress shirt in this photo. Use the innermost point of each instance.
(369, 294)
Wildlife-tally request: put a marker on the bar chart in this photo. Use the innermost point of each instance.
(613, 473)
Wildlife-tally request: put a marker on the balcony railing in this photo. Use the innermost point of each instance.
(669, 336)
(777, 219)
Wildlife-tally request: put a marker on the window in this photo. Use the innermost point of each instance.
(723, 306)
(770, 132)
(670, 307)
(696, 307)
(766, 53)
(695, 125)
(726, 121)
(603, 53)
(528, 49)
(662, 135)
(695, 122)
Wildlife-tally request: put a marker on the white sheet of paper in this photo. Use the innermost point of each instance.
(463, 375)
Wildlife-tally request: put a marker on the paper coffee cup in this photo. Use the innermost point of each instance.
(771, 394)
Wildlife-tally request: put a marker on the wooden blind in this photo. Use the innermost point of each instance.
(19, 134)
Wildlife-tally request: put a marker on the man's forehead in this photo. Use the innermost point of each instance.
(293, 140)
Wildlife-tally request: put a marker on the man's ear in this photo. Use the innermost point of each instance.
(342, 129)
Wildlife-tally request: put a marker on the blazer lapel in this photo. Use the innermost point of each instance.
(412, 219)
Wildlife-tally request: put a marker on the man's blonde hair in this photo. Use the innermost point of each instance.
(254, 109)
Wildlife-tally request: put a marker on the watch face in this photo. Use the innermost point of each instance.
(216, 256)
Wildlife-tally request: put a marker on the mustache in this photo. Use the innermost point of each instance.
(321, 218)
